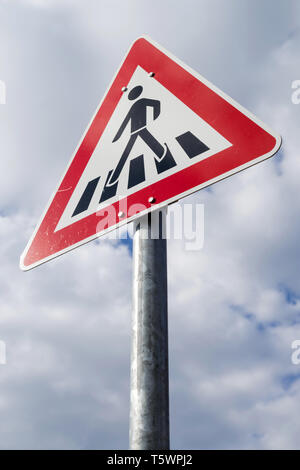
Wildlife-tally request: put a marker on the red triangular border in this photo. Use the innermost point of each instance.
(252, 142)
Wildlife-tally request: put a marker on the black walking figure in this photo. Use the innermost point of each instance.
(138, 117)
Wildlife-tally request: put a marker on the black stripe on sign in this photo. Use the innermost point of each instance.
(86, 197)
(108, 191)
(136, 171)
(166, 162)
(191, 144)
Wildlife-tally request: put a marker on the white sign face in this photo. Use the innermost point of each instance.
(160, 133)
(175, 119)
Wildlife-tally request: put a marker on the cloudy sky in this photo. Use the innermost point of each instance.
(234, 306)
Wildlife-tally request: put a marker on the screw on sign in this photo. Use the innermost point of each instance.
(160, 133)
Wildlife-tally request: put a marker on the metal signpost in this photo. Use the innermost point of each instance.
(160, 133)
(149, 395)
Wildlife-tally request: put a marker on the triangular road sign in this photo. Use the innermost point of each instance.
(161, 132)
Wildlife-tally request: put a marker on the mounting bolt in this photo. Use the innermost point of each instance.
(124, 88)
(121, 214)
(151, 199)
(151, 74)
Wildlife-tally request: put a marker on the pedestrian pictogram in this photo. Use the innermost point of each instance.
(137, 118)
(161, 132)
(144, 145)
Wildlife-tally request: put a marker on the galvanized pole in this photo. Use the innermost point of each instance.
(149, 395)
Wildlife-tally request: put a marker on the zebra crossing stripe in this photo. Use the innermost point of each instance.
(108, 191)
(86, 197)
(191, 144)
(136, 171)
